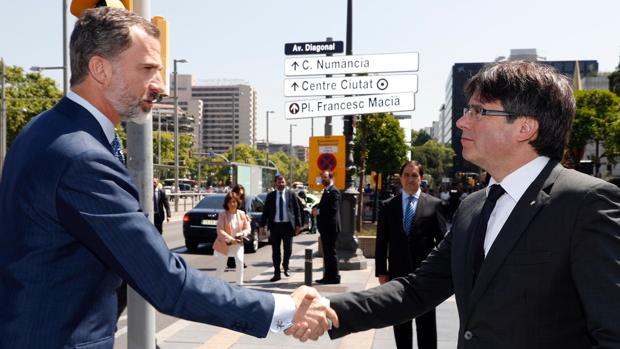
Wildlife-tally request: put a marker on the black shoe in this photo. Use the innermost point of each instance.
(287, 273)
(275, 278)
(245, 265)
(328, 281)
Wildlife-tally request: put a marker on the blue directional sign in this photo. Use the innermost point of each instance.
(313, 48)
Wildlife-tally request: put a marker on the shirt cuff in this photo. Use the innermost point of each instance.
(283, 313)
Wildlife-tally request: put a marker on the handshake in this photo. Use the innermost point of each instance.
(313, 316)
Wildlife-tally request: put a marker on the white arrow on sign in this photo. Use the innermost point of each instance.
(382, 103)
(351, 85)
(383, 63)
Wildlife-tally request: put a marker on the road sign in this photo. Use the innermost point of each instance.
(384, 63)
(326, 162)
(326, 153)
(313, 48)
(350, 105)
(350, 85)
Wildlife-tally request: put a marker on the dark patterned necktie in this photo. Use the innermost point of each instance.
(117, 149)
(281, 205)
(495, 191)
(409, 214)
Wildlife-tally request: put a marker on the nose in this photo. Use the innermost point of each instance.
(462, 122)
(157, 85)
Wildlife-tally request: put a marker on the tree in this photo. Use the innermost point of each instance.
(26, 96)
(596, 118)
(384, 140)
(436, 159)
(419, 137)
(614, 81)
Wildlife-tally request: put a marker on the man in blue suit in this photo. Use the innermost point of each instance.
(72, 227)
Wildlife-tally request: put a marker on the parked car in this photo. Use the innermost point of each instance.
(200, 223)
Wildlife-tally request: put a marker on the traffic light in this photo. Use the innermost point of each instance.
(78, 6)
(161, 24)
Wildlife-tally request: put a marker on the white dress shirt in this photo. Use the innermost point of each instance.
(405, 200)
(284, 209)
(515, 184)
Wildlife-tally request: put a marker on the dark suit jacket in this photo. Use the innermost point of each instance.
(162, 203)
(292, 205)
(72, 227)
(550, 280)
(328, 220)
(398, 254)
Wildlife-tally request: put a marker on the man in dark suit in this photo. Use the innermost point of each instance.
(410, 225)
(327, 213)
(533, 259)
(72, 227)
(161, 206)
(282, 215)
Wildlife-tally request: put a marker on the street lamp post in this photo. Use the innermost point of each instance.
(176, 133)
(267, 133)
(290, 154)
(234, 138)
(40, 69)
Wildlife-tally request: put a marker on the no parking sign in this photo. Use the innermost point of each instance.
(326, 153)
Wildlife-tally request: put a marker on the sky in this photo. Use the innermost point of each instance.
(244, 40)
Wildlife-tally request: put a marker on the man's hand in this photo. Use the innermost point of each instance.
(297, 230)
(312, 315)
(167, 219)
(383, 279)
(315, 211)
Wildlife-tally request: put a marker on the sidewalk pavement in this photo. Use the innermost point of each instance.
(185, 334)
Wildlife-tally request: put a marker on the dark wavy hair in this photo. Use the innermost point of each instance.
(230, 197)
(534, 90)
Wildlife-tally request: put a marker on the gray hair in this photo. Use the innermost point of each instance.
(105, 32)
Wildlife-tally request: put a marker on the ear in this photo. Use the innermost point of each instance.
(100, 70)
(528, 128)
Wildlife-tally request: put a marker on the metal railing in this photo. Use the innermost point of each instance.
(187, 200)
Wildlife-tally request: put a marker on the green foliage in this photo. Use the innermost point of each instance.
(26, 96)
(419, 137)
(436, 159)
(380, 141)
(596, 118)
(614, 81)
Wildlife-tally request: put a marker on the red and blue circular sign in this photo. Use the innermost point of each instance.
(326, 162)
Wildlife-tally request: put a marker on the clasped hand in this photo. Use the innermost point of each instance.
(312, 316)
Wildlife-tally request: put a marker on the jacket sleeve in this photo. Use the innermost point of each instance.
(166, 202)
(398, 300)
(440, 221)
(100, 210)
(594, 262)
(222, 234)
(381, 245)
(264, 218)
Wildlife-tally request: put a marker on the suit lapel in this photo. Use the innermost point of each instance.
(533, 200)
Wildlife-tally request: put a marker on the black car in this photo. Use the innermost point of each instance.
(200, 223)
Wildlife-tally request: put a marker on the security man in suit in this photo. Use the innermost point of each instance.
(282, 215)
(161, 206)
(410, 225)
(533, 259)
(327, 213)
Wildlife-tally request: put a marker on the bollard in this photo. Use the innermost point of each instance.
(308, 268)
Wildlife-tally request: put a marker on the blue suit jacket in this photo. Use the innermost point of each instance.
(71, 228)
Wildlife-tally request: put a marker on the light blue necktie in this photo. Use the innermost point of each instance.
(409, 214)
(117, 149)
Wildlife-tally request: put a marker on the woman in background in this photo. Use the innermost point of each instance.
(233, 226)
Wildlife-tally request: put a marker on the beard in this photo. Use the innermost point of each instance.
(126, 104)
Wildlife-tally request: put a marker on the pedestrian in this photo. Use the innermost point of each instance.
(233, 227)
(282, 216)
(72, 227)
(410, 225)
(327, 213)
(533, 258)
(161, 206)
(238, 189)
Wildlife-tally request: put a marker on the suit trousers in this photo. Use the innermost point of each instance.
(281, 233)
(158, 219)
(426, 330)
(330, 260)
